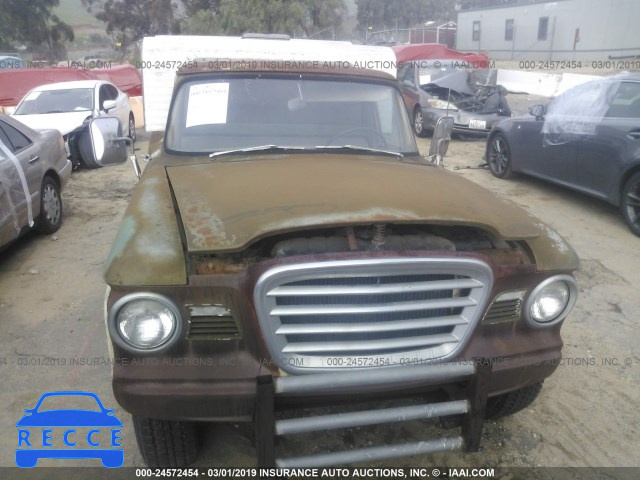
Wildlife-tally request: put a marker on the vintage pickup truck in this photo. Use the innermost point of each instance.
(287, 244)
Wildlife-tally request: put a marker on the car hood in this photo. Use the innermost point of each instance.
(63, 122)
(457, 80)
(222, 207)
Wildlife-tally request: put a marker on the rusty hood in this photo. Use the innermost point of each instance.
(224, 206)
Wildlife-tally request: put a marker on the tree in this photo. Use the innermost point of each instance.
(194, 6)
(131, 20)
(298, 18)
(32, 23)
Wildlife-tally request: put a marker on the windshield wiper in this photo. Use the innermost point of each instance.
(276, 148)
(363, 149)
(260, 148)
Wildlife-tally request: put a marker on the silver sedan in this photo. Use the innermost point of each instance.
(33, 170)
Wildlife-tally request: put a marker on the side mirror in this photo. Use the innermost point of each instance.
(109, 105)
(537, 111)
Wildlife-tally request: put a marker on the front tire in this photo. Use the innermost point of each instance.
(499, 156)
(630, 203)
(84, 149)
(418, 123)
(166, 444)
(50, 217)
(512, 402)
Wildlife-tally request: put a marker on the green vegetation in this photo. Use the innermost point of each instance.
(34, 25)
(73, 13)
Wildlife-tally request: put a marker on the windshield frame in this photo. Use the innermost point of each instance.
(184, 82)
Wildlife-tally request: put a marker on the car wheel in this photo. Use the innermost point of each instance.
(132, 127)
(630, 203)
(512, 402)
(50, 217)
(418, 125)
(499, 156)
(166, 444)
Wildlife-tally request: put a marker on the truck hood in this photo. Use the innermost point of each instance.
(224, 206)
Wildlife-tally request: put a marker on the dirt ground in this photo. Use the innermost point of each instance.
(53, 335)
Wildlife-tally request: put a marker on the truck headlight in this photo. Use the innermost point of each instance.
(551, 301)
(144, 321)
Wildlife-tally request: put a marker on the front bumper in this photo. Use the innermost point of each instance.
(175, 394)
(463, 122)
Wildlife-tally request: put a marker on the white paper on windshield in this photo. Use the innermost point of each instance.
(207, 104)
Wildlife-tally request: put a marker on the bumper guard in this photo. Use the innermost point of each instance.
(269, 389)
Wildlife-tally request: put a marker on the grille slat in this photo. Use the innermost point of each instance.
(282, 311)
(323, 315)
(391, 326)
(380, 345)
(374, 289)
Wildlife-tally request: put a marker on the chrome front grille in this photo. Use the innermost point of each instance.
(369, 313)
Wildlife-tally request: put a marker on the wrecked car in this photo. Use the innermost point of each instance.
(66, 106)
(287, 245)
(433, 89)
(586, 139)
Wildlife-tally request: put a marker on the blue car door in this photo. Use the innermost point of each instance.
(551, 160)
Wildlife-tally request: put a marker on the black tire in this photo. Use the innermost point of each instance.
(499, 156)
(418, 123)
(166, 444)
(630, 203)
(83, 141)
(132, 127)
(50, 217)
(512, 402)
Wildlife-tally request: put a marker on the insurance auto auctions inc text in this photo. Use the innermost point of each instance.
(340, 473)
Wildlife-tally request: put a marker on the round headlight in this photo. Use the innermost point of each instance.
(552, 300)
(144, 321)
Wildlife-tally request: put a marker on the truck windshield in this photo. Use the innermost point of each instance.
(217, 114)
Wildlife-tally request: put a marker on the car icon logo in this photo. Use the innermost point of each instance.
(69, 433)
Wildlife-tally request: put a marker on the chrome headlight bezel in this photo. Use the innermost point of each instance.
(117, 337)
(572, 288)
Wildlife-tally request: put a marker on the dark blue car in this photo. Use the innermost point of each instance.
(587, 139)
(35, 432)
